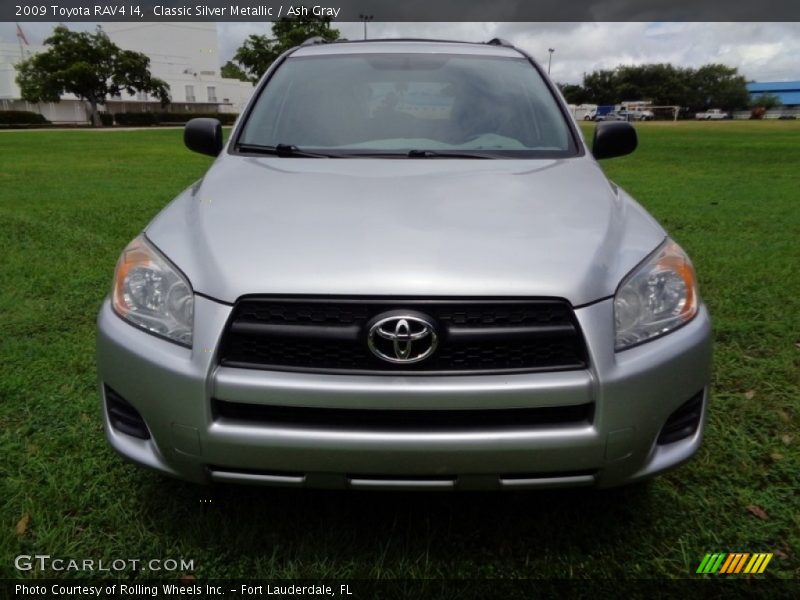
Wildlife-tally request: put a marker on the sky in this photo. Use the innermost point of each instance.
(761, 51)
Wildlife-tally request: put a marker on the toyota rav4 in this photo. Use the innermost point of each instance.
(405, 269)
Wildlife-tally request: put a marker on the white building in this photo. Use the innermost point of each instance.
(185, 55)
(69, 110)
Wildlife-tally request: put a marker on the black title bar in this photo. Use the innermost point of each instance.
(390, 589)
(66, 11)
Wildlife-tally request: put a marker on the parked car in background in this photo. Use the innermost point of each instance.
(405, 269)
(715, 114)
(637, 114)
(611, 116)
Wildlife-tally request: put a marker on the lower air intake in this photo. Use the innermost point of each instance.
(123, 417)
(683, 422)
(404, 420)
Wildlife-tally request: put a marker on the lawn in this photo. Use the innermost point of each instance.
(71, 200)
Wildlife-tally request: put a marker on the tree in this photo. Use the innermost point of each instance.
(711, 85)
(600, 87)
(574, 94)
(762, 103)
(259, 51)
(718, 86)
(766, 101)
(231, 70)
(662, 84)
(88, 65)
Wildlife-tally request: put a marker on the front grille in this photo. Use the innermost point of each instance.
(123, 417)
(330, 335)
(403, 420)
(683, 422)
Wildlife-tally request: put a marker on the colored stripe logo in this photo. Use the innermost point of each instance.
(732, 563)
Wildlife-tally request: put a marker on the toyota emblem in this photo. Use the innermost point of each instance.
(402, 338)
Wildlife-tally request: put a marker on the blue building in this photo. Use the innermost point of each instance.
(787, 91)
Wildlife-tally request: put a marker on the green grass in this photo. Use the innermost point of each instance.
(70, 201)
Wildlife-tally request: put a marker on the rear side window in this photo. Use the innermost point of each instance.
(394, 103)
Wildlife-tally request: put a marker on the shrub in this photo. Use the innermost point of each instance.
(107, 119)
(184, 117)
(135, 119)
(169, 118)
(21, 117)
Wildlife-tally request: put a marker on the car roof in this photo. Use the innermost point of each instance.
(414, 46)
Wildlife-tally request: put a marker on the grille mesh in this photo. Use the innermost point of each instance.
(325, 335)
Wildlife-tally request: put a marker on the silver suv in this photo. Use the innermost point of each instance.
(405, 270)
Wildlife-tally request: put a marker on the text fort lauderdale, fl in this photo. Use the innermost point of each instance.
(206, 590)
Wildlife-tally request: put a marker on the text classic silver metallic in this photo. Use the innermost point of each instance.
(405, 270)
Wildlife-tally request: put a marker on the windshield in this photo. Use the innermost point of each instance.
(409, 105)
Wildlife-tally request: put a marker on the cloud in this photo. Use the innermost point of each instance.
(761, 51)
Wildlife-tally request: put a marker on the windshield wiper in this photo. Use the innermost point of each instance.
(446, 154)
(292, 151)
(282, 150)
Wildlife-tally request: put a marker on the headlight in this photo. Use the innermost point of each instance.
(657, 297)
(152, 294)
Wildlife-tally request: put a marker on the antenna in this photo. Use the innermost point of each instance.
(500, 42)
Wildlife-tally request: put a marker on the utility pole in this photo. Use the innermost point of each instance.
(364, 19)
(550, 59)
(21, 38)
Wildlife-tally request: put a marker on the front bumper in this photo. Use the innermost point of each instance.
(633, 393)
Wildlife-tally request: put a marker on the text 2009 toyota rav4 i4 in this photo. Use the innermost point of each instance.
(405, 269)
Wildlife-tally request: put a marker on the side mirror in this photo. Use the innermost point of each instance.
(613, 138)
(203, 136)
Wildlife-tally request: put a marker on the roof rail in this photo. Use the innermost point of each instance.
(312, 41)
(500, 42)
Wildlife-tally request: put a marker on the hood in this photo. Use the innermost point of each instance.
(405, 227)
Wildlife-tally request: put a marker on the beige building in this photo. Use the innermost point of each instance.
(185, 55)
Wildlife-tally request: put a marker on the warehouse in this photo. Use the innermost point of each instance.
(788, 92)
